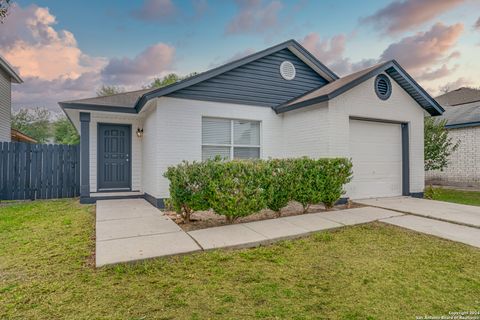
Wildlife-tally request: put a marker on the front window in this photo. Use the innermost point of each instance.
(230, 139)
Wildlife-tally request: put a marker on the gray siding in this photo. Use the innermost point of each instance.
(256, 83)
(5, 106)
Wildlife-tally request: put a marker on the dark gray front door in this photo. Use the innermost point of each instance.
(114, 153)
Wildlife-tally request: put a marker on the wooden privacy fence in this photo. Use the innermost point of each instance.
(39, 171)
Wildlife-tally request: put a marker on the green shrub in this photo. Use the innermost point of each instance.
(188, 187)
(239, 188)
(278, 183)
(236, 187)
(306, 181)
(335, 174)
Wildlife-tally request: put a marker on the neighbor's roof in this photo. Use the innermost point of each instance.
(141, 97)
(462, 116)
(459, 96)
(335, 88)
(4, 65)
(19, 136)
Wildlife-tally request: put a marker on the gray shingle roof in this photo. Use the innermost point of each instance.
(462, 116)
(122, 100)
(459, 96)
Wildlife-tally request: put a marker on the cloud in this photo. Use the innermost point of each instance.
(156, 10)
(254, 16)
(54, 68)
(438, 73)
(152, 61)
(30, 43)
(239, 55)
(404, 15)
(453, 85)
(477, 24)
(330, 51)
(425, 49)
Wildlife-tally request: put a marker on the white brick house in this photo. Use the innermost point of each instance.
(280, 102)
(462, 112)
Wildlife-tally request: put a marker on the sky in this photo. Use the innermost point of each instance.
(66, 50)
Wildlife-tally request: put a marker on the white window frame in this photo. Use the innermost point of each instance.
(232, 144)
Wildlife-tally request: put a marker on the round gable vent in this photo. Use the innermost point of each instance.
(383, 87)
(287, 70)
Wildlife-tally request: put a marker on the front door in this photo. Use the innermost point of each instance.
(114, 153)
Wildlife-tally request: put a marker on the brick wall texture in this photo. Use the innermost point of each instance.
(464, 164)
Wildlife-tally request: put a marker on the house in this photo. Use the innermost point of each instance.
(18, 136)
(7, 77)
(462, 112)
(279, 102)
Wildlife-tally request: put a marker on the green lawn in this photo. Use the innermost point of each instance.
(457, 196)
(372, 271)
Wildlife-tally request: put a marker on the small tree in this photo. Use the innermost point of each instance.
(438, 145)
(4, 8)
(109, 90)
(169, 79)
(33, 122)
(64, 132)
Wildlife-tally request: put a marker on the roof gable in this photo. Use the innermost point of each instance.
(336, 88)
(292, 45)
(257, 83)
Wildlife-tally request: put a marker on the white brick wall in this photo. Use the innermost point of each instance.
(464, 164)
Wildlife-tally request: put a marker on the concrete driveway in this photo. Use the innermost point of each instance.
(445, 211)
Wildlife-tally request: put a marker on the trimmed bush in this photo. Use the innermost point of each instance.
(236, 188)
(188, 187)
(306, 181)
(278, 183)
(239, 188)
(335, 174)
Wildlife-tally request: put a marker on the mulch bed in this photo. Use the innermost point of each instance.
(208, 219)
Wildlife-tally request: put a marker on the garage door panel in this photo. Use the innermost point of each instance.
(376, 152)
(378, 169)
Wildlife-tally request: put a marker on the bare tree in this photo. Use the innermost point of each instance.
(4, 6)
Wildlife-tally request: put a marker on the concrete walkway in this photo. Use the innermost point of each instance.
(445, 211)
(445, 230)
(256, 233)
(129, 230)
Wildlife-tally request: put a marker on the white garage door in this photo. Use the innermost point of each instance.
(376, 152)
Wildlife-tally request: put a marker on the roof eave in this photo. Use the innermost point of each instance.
(463, 125)
(14, 77)
(96, 107)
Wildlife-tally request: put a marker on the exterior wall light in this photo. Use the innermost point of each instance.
(139, 132)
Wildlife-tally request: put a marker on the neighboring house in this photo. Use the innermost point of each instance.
(279, 102)
(19, 136)
(462, 112)
(7, 77)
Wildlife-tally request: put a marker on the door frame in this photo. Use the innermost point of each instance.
(405, 149)
(129, 126)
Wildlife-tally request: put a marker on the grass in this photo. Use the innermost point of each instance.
(457, 196)
(372, 271)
